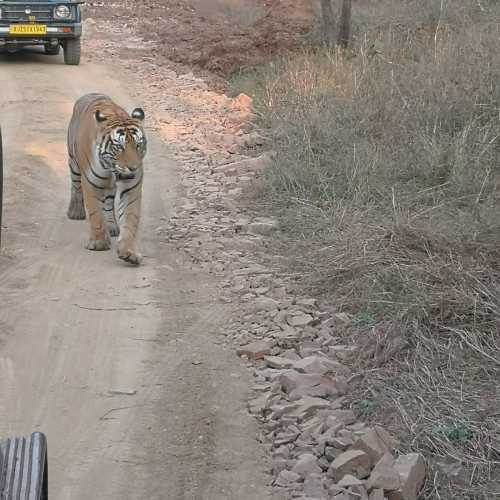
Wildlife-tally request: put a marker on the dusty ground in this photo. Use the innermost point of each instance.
(125, 368)
(119, 366)
(214, 37)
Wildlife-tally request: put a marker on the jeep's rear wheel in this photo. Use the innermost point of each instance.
(72, 51)
(52, 51)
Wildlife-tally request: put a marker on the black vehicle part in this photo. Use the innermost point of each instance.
(52, 51)
(23, 468)
(72, 51)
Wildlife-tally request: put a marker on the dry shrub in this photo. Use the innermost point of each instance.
(387, 178)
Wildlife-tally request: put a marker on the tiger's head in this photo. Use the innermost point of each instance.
(121, 142)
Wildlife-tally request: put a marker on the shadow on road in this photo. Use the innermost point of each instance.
(29, 55)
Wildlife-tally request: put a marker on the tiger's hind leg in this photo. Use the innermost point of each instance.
(109, 210)
(76, 209)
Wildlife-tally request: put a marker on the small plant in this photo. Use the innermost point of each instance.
(364, 318)
(456, 432)
(365, 407)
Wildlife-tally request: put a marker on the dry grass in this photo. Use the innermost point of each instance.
(387, 179)
(240, 12)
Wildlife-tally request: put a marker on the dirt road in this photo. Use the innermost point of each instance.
(119, 366)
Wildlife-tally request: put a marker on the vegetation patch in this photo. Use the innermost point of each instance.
(386, 179)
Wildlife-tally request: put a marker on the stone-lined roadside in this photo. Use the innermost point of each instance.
(317, 447)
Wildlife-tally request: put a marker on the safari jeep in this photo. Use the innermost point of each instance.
(46, 23)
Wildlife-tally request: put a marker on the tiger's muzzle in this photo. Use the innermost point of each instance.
(123, 174)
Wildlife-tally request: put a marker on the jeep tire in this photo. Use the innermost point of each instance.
(72, 51)
(52, 51)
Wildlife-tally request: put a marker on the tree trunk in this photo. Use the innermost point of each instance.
(328, 20)
(344, 31)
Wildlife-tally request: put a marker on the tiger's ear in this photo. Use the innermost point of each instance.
(138, 114)
(99, 116)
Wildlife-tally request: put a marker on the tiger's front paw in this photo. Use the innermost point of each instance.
(113, 230)
(129, 255)
(98, 244)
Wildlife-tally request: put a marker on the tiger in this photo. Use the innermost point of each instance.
(106, 149)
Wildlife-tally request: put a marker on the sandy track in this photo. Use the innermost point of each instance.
(78, 329)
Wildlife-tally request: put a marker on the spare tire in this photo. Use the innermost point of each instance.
(23, 468)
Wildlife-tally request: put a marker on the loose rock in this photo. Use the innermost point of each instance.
(376, 443)
(299, 319)
(320, 365)
(411, 469)
(354, 462)
(255, 350)
(384, 475)
(286, 478)
(377, 494)
(349, 480)
(306, 465)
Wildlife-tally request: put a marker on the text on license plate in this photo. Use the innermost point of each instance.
(27, 29)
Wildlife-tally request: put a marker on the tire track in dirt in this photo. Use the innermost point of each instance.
(118, 365)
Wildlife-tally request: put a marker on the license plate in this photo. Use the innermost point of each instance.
(27, 29)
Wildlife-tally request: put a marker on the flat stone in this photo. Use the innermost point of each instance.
(259, 405)
(313, 486)
(349, 480)
(377, 494)
(354, 462)
(375, 442)
(334, 426)
(290, 354)
(282, 452)
(278, 465)
(346, 416)
(286, 437)
(342, 352)
(320, 365)
(286, 478)
(384, 475)
(332, 453)
(244, 166)
(287, 337)
(411, 469)
(255, 350)
(310, 303)
(359, 491)
(306, 465)
(328, 436)
(323, 463)
(298, 320)
(310, 384)
(263, 228)
(281, 410)
(326, 388)
(344, 496)
(341, 443)
(454, 470)
(264, 304)
(313, 428)
(291, 380)
(278, 362)
(307, 407)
